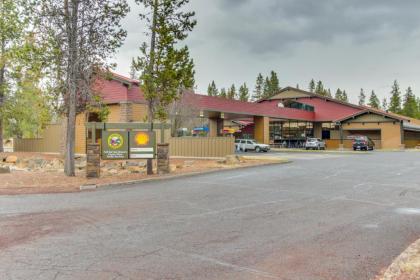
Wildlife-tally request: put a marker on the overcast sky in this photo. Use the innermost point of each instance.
(345, 43)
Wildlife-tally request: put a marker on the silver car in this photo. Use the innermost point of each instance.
(250, 145)
(315, 144)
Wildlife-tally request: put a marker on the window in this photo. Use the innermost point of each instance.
(298, 105)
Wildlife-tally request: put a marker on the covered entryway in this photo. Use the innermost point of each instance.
(411, 135)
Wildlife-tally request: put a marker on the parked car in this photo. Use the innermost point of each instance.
(363, 143)
(314, 143)
(250, 145)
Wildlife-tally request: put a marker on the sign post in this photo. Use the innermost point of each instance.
(142, 144)
(114, 144)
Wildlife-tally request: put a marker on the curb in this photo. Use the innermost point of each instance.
(400, 265)
(185, 175)
(320, 151)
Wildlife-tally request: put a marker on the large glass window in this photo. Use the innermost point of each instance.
(290, 130)
(298, 105)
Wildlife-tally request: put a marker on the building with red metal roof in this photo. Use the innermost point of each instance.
(288, 117)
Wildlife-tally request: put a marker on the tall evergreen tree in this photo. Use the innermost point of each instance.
(410, 106)
(212, 89)
(320, 88)
(328, 93)
(362, 97)
(338, 94)
(344, 97)
(223, 93)
(384, 105)
(166, 68)
(243, 93)
(259, 87)
(274, 84)
(395, 101)
(312, 86)
(231, 93)
(133, 72)
(418, 107)
(266, 88)
(374, 100)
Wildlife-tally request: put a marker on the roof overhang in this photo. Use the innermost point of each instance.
(411, 127)
(385, 115)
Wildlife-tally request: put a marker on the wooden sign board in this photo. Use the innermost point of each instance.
(114, 144)
(142, 144)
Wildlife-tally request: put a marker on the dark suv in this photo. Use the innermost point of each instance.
(363, 143)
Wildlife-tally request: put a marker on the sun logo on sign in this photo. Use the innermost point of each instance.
(115, 141)
(142, 138)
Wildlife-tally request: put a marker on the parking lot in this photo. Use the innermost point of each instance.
(324, 216)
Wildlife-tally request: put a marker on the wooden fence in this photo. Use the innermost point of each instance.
(50, 142)
(201, 146)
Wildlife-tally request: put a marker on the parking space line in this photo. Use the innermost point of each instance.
(226, 264)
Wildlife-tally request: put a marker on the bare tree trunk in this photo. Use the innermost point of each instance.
(151, 67)
(71, 29)
(2, 70)
(2, 81)
(150, 118)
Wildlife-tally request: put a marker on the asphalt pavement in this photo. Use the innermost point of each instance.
(324, 216)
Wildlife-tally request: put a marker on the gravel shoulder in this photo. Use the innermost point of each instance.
(406, 266)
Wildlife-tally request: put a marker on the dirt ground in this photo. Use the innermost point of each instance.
(406, 266)
(24, 182)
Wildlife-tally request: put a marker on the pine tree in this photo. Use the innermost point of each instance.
(231, 93)
(344, 97)
(133, 71)
(212, 89)
(223, 93)
(338, 94)
(320, 88)
(312, 86)
(328, 93)
(258, 91)
(166, 67)
(418, 108)
(395, 101)
(266, 88)
(362, 97)
(243, 93)
(374, 100)
(384, 104)
(410, 106)
(274, 84)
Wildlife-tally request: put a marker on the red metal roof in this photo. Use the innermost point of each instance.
(269, 109)
(119, 89)
(327, 110)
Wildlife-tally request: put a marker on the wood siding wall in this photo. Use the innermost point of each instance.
(201, 146)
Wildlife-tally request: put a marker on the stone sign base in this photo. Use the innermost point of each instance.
(93, 161)
(163, 159)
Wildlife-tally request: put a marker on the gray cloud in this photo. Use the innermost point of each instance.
(275, 25)
(346, 43)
